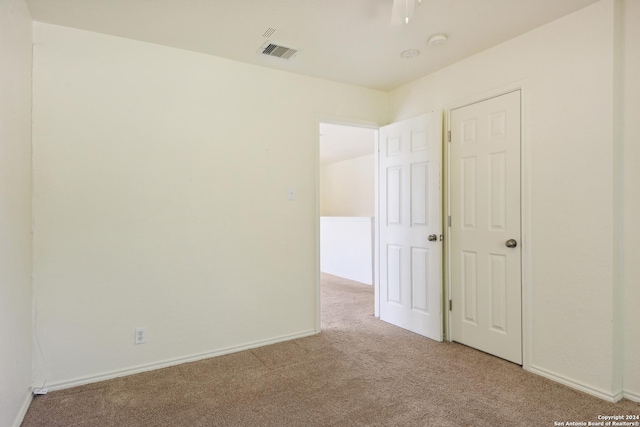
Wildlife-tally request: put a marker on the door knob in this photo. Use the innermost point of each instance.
(432, 237)
(511, 243)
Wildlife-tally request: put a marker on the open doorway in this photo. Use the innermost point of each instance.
(403, 177)
(347, 202)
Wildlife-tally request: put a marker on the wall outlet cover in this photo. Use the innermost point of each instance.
(141, 335)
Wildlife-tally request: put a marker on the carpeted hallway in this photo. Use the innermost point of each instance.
(358, 371)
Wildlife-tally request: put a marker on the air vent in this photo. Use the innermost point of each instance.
(269, 32)
(272, 49)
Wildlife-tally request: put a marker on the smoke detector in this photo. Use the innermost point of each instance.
(438, 39)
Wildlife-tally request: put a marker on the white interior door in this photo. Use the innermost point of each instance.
(410, 225)
(485, 224)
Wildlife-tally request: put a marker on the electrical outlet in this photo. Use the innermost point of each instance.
(141, 335)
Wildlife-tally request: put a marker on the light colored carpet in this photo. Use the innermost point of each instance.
(358, 371)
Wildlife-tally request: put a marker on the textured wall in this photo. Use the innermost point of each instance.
(631, 230)
(161, 184)
(15, 210)
(347, 188)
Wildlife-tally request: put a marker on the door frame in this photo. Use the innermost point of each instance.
(525, 207)
(346, 121)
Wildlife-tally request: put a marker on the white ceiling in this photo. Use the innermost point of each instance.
(351, 41)
(338, 142)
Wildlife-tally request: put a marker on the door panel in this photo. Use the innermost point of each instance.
(411, 210)
(394, 274)
(485, 213)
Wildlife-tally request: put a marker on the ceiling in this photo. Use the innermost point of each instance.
(339, 142)
(350, 41)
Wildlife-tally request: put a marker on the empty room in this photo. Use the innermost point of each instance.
(160, 213)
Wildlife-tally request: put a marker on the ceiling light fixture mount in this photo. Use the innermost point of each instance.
(410, 53)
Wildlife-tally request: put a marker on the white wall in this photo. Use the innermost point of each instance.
(347, 188)
(568, 66)
(346, 247)
(161, 181)
(15, 210)
(632, 198)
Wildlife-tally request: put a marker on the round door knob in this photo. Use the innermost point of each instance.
(511, 243)
(432, 237)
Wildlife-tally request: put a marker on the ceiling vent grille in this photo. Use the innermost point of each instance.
(269, 32)
(272, 49)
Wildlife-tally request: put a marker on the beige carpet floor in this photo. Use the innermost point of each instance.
(359, 371)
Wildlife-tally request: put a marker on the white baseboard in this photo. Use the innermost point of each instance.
(631, 396)
(60, 385)
(23, 410)
(602, 394)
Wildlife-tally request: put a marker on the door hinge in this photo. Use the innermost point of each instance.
(449, 220)
(450, 305)
(449, 136)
